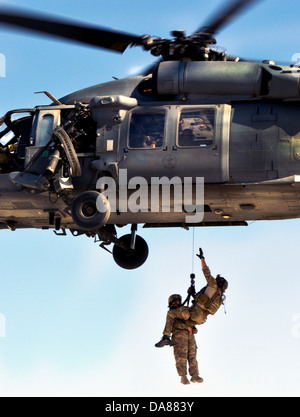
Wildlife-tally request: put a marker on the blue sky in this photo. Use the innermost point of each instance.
(78, 325)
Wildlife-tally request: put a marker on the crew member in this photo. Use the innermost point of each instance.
(183, 340)
(210, 298)
(181, 321)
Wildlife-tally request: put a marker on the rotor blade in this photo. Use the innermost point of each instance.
(75, 31)
(226, 15)
(2, 120)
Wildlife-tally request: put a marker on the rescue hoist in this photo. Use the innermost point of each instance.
(191, 290)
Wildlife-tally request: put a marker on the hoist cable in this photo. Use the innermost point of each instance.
(193, 248)
(192, 276)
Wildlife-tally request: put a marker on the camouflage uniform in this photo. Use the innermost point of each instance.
(176, 319)
(207, 301)
(185, 348)
(181, 322)
(185, 351)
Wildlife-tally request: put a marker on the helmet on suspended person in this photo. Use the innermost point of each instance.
(174, 297)
(222, 283)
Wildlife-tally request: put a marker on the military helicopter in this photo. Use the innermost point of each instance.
(196, 113)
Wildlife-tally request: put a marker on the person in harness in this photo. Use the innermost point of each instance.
(210, 298)
(181, 320)
(183, 340)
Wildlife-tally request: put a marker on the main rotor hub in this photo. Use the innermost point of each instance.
(181, 47)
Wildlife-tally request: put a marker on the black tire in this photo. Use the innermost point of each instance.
(85, 212)
(131, 259)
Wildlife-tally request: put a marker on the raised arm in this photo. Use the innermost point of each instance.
(201, 256)
(206, 271)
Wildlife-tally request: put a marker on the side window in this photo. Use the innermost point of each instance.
(146, 130)
(196, 128)
(46, 128)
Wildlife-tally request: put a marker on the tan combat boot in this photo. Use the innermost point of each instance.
(196, 378)
(184, 380)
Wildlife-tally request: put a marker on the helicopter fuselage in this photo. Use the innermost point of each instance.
(236, 125)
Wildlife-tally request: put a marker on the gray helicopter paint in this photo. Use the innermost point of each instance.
(251, 171)
(125, 87)
(228, 79)
(235, 124)
(170, 160)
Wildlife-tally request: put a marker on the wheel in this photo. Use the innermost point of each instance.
(91, 210)
(131, 258)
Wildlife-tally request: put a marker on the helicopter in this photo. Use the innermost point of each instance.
(219, 133)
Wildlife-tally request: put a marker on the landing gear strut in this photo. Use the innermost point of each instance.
(129, 251)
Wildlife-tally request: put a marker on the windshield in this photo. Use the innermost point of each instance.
(14, 138)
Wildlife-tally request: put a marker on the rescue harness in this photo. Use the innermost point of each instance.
(212, 304)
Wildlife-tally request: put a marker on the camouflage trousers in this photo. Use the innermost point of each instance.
(185, 351)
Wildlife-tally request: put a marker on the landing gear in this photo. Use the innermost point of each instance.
(91, 210)
(130, 258)
(129, 251)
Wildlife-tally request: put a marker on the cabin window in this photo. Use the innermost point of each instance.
(196, 128)
(146, 130)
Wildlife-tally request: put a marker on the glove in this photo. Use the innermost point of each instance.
(200, 255)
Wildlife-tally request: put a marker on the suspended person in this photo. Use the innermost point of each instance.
(181, 321)
(183, 340)
(210, 298)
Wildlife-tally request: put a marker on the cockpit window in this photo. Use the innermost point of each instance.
(146, 130)
(196, 128)
(46, 128)
(14, 137)
(6, 137)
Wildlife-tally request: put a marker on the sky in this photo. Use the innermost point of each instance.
(72, 323)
